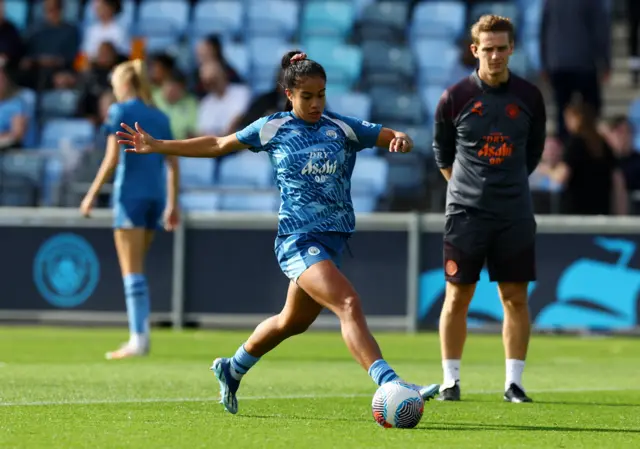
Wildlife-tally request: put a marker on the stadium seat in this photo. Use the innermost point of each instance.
(196, 172)
(53, 175)
(435, 59)
(125, 19)
(71, 11)
(237, 56)
(217, 17)
(351, 104)
(370, 176)
(59, 103)
(28, 165)
(364, 204)
(422, 138)
(532, 50)
(17, 12)
(30, 140)
(439, 19)
(161, 43)
(342, 62)
(278, 18)
(531, 17)
(246, 169)
(255, 201)
(18, 191)
(505, 9)
(162, 18)
(387, 64)
(431, 97)
(519, 62)
(265, 55)
(402, 106)
(200, 201)
(384, 21)
(79, 133)
(327, 18)
(406, 176)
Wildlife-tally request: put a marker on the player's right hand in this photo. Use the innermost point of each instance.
(136, 141)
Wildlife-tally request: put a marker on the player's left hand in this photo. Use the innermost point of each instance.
(400, 145)
(87, 205)
(171, 218)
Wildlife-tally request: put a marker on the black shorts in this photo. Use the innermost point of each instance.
(507, 246)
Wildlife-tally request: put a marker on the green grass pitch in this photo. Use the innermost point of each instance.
(57, 391)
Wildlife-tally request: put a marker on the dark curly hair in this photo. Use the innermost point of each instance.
(297, 69)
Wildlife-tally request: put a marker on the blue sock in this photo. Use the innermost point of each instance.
(137, 295)
(242, 362)
(381, 372)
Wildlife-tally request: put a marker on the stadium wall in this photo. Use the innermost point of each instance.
(219, 270)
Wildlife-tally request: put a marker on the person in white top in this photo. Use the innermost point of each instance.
(223, 104)
(106, 29)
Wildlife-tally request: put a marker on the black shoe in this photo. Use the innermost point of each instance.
(516, 394)
(451, 393)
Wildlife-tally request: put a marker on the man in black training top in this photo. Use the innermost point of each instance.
(489, 136)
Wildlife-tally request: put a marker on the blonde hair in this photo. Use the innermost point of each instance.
(135, 73)
(492, 24)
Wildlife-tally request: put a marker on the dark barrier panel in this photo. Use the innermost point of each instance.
(74, 268)
(237, 272)
(584, 281)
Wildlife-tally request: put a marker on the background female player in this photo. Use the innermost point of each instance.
(139, 196)
(313, 154)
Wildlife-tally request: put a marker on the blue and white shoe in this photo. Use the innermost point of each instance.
(429, 392)
(228, 385)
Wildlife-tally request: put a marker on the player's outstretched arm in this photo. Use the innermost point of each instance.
(396, 141)
(139, 141)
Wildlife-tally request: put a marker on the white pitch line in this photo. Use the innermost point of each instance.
(264, 398)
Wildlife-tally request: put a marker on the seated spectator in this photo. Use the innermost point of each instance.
(95, 81)
(14, 115)
(619, 133)
(551, 172)
(181, 106)
(210, 50)
(160, 67)
(595, 184)
(265, 104)
(224, 103)
(106, 29)
(52, 47)
(11, 46)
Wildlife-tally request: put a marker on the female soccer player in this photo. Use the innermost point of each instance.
(313, 154)
(139, 196)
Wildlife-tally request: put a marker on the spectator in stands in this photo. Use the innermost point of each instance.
(466, 64)
(106, 29)
(594, 182)
(14, 117)
(575, 40)
(265, 104)
(551, 171)
(619, 134)
(96, 81)
(160, 67)
(225, 102)
(11, 46)
(633, 16)
(181, 106)
(52, 47)
(210, 50)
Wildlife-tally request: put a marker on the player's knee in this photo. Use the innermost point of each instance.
(458, 297)
(349, 306)
(514, 294)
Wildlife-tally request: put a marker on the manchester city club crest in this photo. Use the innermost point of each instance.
(66, 270)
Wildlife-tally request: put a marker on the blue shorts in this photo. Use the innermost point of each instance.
(297, 252)
(138, 213)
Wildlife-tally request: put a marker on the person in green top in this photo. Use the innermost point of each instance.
(182, 107)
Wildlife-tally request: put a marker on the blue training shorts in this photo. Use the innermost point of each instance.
(297, 252)
(138, 213)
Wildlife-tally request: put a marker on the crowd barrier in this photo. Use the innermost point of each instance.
(219, 269)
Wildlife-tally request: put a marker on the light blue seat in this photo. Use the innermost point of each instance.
(634, 112)
(200, 201)
(343, 62)
(519, 62)
(78, 133)
(165, 17)
(59, 103)
(422, 138)
(431, 97)
(504, 9)
(223, 17)
(364, 203)
(196, 172)
(406, 175)
(125, 19)
(435, 59)
(28, 96)
(532, 50)
(161, 43)
(238, 57)
(50, 185)
(272, 18)
(384, 20)
(441, 19)
(28, 165)
(351, 104)
(246, 169)
(531, 17)
(254, 201)
(327, 18)
(265, 55)
(370, 176)
(401, 106)
(388, 64)
(17, 12)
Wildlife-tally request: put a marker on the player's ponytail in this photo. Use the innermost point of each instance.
(141, 81)
(296, 66)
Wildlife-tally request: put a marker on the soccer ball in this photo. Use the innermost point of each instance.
(397, 404)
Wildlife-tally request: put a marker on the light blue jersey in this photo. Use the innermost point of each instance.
(140, 186)
(313, 163)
